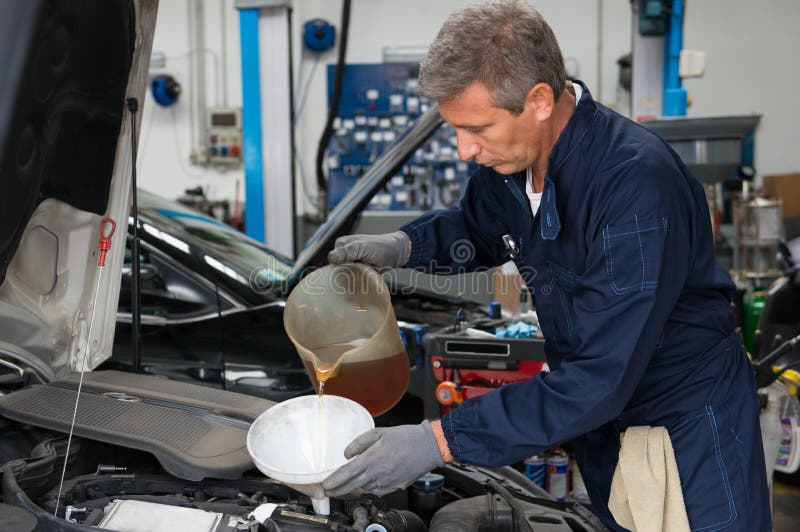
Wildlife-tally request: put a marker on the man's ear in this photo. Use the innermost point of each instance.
(540, 102)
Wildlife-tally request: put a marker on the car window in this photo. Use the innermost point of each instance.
(166, 290)
(231, 253)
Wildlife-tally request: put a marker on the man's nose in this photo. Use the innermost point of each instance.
(467, 147)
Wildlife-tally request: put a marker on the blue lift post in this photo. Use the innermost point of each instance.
(251, 126)
(267, 122)
(675, 97)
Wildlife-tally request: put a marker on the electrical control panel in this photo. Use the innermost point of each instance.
(378, 102)
(224, 136)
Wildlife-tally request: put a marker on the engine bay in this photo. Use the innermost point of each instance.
(128, 481)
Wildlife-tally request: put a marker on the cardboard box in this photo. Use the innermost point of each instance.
(507, 287)
(787, 188)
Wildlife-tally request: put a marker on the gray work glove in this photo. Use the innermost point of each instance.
(386, 460)
(390, 250)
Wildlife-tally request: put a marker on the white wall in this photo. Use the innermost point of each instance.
(751, 48)
(164, 146)
(752, 67)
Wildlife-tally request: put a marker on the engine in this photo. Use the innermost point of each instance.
(151, 454)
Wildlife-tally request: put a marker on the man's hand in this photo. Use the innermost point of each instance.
(386, 459)
(390, 250)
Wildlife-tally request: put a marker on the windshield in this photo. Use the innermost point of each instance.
(223, 248)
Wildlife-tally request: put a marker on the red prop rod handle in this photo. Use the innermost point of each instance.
(107, 228)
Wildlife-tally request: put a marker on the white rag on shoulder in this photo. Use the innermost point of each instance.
(646, 493)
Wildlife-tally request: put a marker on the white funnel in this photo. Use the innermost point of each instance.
(284, 442)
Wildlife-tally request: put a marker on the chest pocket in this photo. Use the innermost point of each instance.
(634, 252)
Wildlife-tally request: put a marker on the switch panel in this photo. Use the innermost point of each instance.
(224, 141)
(378, 103)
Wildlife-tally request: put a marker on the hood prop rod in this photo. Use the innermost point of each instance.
(136, 307)
(107, 228)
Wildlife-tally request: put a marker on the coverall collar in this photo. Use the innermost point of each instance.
(573, 132)
(568, 140)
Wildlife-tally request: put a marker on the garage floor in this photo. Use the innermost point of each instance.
(786, 499)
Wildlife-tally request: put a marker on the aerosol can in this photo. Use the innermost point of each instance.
(536, 470)
(557, 474)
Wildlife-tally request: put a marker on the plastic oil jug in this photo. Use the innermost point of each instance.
(788, 459)
(340, 319)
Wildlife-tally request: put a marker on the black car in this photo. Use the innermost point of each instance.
(203, 317)
(212, 303)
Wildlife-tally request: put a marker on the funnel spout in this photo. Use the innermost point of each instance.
(321, 506)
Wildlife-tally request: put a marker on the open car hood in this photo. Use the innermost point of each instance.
(65, 163)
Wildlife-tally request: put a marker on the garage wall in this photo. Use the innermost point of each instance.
(165, 141)
(751, 69)
(164, 146)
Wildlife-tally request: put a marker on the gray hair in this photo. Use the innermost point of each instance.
(504, 44)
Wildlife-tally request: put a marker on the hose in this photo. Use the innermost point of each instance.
(485, 512)
(337, 93)
(401, 521)
(765, 375)
(360, 519)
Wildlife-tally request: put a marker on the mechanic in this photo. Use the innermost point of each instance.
(612, 236)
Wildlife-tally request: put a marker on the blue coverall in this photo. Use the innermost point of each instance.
(635, 311)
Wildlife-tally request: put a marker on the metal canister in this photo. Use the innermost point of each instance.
(535, 470)
(557, 465)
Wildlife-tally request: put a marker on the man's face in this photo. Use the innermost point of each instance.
(490, 135)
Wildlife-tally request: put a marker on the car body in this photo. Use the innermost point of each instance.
(123, 450)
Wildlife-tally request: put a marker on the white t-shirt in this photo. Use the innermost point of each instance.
(536, 197)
